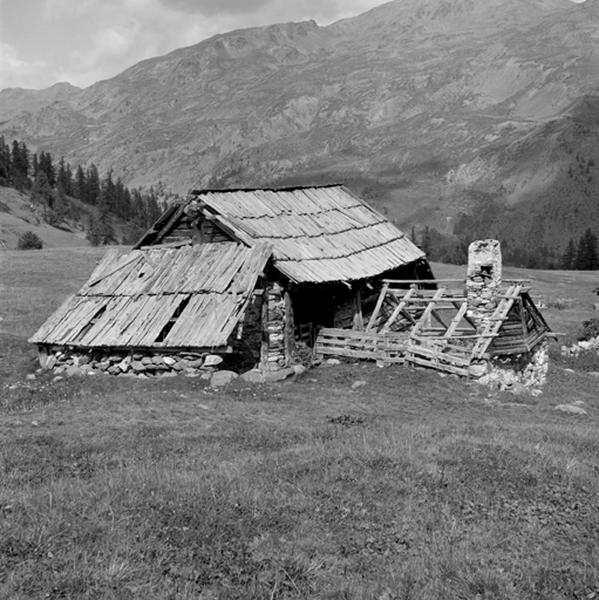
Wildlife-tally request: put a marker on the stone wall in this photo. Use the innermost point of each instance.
(142, 364)
(483, 280)
(275, 351)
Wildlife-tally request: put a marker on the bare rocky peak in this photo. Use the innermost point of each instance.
(16, 100)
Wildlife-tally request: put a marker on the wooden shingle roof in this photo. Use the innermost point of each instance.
(318, 234)
(191, 297)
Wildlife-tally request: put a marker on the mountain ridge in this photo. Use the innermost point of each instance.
(414, 104)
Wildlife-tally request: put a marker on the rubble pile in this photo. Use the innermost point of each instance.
(582, 346)
(516, 372)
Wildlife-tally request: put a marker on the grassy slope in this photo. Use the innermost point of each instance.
(17, 217)
(411, 486)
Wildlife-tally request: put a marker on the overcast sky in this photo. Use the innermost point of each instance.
(83, 41)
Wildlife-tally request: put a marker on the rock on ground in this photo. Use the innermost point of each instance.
(213, 360)
(571, 409)
(357, 384)
(253, 376)
(222, 378)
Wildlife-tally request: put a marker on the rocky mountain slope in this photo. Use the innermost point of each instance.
(428, 107)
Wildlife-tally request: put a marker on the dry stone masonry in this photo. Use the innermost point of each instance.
(513, 373)
(483, 281)
(63, 361)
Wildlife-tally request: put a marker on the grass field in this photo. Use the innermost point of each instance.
(410, 486)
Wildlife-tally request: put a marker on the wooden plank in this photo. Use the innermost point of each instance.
(409, 281)
(358, 319)
(437, 356)
(167, 245)
(402, 304)
(426, 363)
(128, 262)
(377, 307)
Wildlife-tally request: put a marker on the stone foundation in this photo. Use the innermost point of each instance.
(74, 362)
(514, 373)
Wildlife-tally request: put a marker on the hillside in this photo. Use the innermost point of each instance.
(426, 107)
(18, 215)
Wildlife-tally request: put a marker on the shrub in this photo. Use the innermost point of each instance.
(29, 241)
(589, 330)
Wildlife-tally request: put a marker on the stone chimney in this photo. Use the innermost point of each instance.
(483, 280)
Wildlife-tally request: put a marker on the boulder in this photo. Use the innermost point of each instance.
(299, 369)
(30, 376)
(146, 360)
(124, 364)
(157, 360)
(73, 371)
(137, 366)
(113, 370)
(222, 378)
(358, 384)
(333, 361)
(169, 361)
(278, 375)
(212, 360)
(571, 409)
(253, 376)
(477, 369)
(194, 364)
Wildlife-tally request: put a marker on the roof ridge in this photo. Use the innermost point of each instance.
(289, 188)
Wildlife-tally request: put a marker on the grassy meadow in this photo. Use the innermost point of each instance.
(348, 482)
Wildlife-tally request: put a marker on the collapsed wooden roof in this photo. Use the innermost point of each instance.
(318, 234)
(191, 297)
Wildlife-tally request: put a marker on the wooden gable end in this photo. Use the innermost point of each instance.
(175, 227)
(523, 328)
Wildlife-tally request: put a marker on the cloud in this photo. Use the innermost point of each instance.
(88, 40)
(55, 10)
(211, 8)
(16, 72)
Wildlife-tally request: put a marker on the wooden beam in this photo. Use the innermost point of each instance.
(358, 320)
(377, 309)
(402, 304)
(116, 270)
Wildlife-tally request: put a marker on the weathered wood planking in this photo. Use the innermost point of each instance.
(192, 296)
(318, 234)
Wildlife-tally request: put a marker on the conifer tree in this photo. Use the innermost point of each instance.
(586, 256)
(4, 162)
(19, 166)
(92, 185)
(79, 185)
(568, 260)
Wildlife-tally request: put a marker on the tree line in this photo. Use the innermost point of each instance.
(51, 183)
(578, 255)
(583, 255)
